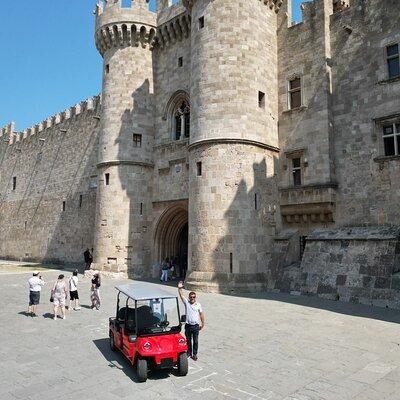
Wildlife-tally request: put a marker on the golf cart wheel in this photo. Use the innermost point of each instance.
(112, 342)
(183, 364)
(141, 369)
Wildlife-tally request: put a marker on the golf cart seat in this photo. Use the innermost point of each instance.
(129, 314)
(145, 317)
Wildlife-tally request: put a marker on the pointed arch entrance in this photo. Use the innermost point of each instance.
(171, 234)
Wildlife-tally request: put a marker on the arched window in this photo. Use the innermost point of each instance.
(181, 121)
(177, 113)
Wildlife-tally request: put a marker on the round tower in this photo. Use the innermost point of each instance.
(124, 38)
(234, 140)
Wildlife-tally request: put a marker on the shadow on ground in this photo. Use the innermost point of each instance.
(357, 310)
(117, 360)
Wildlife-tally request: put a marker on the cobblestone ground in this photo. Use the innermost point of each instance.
(270, 347)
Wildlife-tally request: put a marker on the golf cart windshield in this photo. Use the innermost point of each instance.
(156, 316)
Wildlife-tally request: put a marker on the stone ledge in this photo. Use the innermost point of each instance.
(388, 81)
(381, 159)
(357, 233)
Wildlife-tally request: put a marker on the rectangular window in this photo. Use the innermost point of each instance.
(187, 125)
(255, 201)
(25, 224)
(141, 208)
(393, 60)
(107, 179)
(199, 168)
(230, 262)
(178, 127)
(80, 201)
(63, 207)
(294, 93)
(107, 68)
(180, 62)
(391, 139)
(296, 171)
(137, 140)
(14, 184)
(261, 99)
(201, 22)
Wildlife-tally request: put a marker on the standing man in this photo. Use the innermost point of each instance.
(88, 258)
(35, 286)
(194, 321)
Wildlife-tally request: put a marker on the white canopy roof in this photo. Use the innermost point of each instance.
(144, 291)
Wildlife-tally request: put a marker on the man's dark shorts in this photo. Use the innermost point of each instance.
(74, 295)
(34, 298)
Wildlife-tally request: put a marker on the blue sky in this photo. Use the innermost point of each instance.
(49, 61)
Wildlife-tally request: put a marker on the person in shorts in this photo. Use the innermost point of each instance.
(35, 287)
(73, 291)
(59, 293)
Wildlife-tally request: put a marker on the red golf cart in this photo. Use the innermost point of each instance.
(146, 329)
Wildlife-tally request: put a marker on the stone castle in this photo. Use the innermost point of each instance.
(261, 153)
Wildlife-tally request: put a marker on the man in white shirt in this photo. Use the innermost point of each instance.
(35, 286)
(194, 321)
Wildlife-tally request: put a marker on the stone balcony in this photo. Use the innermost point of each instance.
(308, 203)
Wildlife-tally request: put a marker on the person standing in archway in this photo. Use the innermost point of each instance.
(194, 321)
(164, 270)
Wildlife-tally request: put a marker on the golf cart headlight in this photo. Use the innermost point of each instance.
(147, 345)
(182, 341)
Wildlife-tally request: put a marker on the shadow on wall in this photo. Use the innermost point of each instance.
(73, 174)
(135, 175)
(241, 257)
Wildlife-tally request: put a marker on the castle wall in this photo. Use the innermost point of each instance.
(51, 166)
(368, 192)
(170, 156)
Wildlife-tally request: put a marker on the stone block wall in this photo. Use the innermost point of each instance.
(360, 265)
(53, 163)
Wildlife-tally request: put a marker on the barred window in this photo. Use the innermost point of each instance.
(137, 140)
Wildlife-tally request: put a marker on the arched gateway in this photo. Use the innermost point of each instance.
(171, 234)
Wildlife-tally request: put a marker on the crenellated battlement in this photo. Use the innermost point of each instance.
(11, 136)
(118, 26)
(272, 4)
(173, 30)
(7, 130)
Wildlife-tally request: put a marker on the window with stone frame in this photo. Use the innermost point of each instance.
(296, 171)
(181, 121)
(391, 138)
(137, 140)
(393, 60)
(294, 93)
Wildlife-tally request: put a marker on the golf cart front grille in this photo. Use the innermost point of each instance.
(166, 363)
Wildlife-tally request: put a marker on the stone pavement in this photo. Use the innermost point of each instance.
(270, 346)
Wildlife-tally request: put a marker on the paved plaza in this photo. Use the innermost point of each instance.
(269, 346)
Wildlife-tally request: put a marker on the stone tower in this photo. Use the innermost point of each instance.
(124, 37)
(234, 140)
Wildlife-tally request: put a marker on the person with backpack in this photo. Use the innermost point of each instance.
(73, 291)
(95, 295)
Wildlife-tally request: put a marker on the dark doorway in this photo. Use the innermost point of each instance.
(183, 251)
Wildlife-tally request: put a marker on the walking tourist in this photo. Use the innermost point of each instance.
(164, 270)
(73, 291)
(35, 283)
(59, 293)
(194, 321)
(87, 255)
(95, 294)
